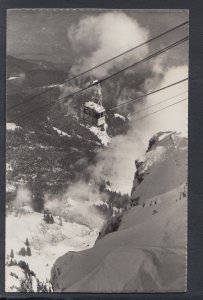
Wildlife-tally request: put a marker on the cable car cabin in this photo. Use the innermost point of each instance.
(93, 114)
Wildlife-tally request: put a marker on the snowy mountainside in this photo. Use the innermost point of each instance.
(50, 161)
(147, 253)
(166, 159)
(52, 151)
(58, 147)
(102, 135)
(52, 148)
(46, 241)
(46, 164)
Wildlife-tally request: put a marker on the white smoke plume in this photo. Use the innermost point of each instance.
(95, 39)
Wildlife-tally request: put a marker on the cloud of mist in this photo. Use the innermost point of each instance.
(116, 162)
(77, 204)
(173, 118)
(68, 90)
(23, 197)
(97, 38)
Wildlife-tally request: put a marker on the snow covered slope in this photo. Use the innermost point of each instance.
(47, 243)
(102, 135)
(148, 251)
(163, 167)
(11, 126)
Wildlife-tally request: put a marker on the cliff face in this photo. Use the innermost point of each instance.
(162, 168)
(148, 251)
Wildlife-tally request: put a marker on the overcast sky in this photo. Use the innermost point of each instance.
(43, 33)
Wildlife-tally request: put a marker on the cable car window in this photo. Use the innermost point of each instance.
(97, 115)
(102, 114)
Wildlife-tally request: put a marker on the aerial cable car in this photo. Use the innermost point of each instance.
(93, 111)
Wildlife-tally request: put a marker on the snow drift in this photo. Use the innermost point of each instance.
(148, 251)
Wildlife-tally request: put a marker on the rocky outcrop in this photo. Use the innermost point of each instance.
(166, 161)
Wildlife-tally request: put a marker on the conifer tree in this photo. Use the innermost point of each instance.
(27, 242)
(12, 254)
(46, 218)
(22, 251)
(38, 285)
(60, 221)
(11, 263)
(51, 219)
(28, 252)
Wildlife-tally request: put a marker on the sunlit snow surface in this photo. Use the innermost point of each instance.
(116, 115)
(13, 77)
(11, 126)
(61, 132)
(146, 254)
(102, 135)
(148, 251)
(47, 243)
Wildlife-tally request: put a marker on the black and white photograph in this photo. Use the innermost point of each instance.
(96, 150)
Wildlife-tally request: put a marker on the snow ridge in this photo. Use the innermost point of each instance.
(148, 251)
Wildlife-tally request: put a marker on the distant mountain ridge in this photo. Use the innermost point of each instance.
(35, 63)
